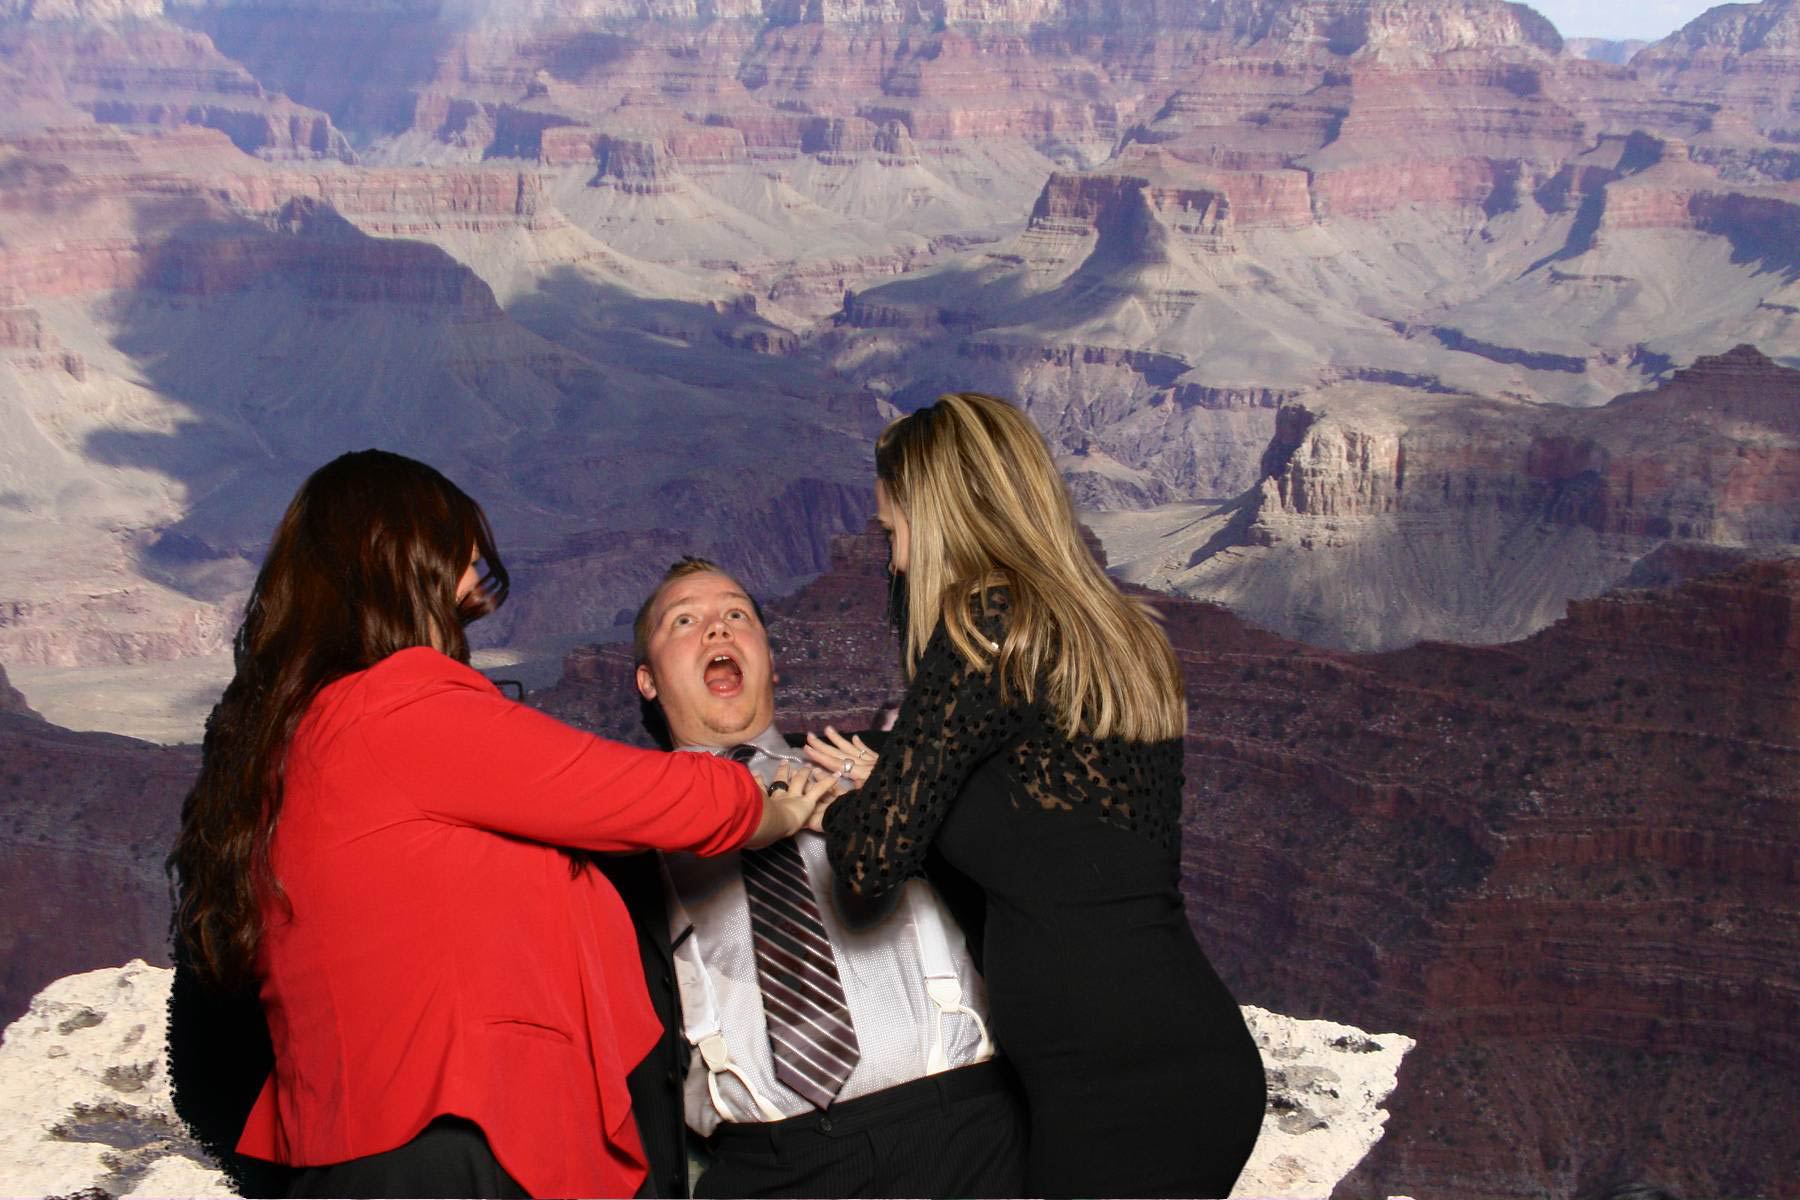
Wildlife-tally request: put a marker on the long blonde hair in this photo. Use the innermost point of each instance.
(986, 507)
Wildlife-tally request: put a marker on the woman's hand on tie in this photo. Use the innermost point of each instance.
(791, 803)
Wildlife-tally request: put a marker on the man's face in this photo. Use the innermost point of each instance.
(708, 665)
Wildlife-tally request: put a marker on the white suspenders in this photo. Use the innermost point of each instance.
(941, 982)
(701, 1024)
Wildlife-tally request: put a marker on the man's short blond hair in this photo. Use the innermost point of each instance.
(681, 568)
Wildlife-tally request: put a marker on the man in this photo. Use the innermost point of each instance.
(829, 1051)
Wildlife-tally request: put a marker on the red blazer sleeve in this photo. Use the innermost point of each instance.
(463, 753)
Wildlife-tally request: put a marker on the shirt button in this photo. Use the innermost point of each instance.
(824, 1124)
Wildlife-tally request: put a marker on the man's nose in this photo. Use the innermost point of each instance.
(717, 629)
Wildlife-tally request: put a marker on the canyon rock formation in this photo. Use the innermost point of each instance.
(647, 279)
(1569, 861)
(170, 385)
(1616, 52)
(86, 1082)
(1386, 516)
(86, 820)
(12, 701)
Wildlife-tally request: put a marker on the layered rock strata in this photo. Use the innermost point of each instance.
(1494, 514)
(86, 820)
(1740, 57)
(133, 68)
(1567, 857)
(1153, 225)
(147, 468)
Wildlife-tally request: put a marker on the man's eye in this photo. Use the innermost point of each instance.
(681, 620)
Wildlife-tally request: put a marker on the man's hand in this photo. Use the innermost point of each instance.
(847, 758)
(792, 801)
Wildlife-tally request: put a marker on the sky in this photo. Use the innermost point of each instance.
(1618, 20)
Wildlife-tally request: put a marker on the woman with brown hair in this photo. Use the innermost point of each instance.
(1038, 749)
(374, 840)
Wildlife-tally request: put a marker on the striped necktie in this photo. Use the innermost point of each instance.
(810, 1034)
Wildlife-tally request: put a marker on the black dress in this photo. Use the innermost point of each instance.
(1140, 1076)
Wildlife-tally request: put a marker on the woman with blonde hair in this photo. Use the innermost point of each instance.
(1038, 749)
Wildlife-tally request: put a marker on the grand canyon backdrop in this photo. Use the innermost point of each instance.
(1441, 379)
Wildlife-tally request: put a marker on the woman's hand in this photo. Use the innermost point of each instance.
(847, 758)
(816, 822)
(790, 802)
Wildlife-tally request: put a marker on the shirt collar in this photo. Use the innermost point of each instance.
(770, 741)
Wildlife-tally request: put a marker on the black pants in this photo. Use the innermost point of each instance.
(959, 1133)
(450, 1157)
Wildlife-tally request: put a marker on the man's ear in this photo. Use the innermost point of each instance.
(646, 682)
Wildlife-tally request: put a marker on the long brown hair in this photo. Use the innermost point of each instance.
(365, 562)
(986, 507)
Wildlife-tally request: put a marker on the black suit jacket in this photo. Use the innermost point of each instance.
(656, 1083)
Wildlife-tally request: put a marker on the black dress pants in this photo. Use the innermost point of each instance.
(450, 1157)
(959, 1133)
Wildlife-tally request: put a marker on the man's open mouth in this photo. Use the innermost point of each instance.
(723, 676)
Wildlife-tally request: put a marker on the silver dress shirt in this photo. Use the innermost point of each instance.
(878, 963)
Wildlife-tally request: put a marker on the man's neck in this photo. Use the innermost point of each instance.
(770, 739)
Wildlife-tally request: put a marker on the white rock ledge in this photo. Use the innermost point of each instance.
(84, 1096)
(1326, 1085)
(84, 1092)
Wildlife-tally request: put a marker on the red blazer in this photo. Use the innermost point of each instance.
(440, 959)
